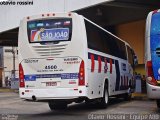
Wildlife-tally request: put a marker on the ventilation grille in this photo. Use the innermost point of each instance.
(49, 51)
(158, 51)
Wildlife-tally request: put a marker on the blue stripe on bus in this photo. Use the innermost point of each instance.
(48, 76)
(69, 76)
(117, 87)
(102, 58)
(30, 78)
(62, 76)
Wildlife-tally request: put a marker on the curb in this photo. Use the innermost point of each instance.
(6, 90)
(139, 96)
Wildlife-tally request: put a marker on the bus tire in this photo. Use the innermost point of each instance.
(103, 103)
(158, 103)
(57, 105)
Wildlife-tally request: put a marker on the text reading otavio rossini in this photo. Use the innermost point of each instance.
(19, 2)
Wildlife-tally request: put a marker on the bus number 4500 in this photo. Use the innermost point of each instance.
(50, 67)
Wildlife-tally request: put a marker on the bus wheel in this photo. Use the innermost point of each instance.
(158, 103)
(57, 105)
(105, 99)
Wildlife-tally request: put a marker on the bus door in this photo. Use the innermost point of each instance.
(130, 66)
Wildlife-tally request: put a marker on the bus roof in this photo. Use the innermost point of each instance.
(69, 14)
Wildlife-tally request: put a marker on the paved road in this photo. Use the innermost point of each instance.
(12, 106)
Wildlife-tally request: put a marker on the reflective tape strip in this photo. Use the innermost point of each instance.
(124, 81)
(111, 66)
(105, 67)
(127, 81)
(121, 81)
(92, 62)
(99, 64)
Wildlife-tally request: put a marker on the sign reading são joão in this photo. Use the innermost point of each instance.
(16, 2)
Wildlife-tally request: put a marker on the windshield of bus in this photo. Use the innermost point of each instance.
(155, 26)
(49, 30)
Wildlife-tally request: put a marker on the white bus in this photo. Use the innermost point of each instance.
(152, 55)
(64, 58)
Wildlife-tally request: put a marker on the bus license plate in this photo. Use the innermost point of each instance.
(51, 83)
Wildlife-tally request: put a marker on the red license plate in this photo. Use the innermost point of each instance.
(51, 83)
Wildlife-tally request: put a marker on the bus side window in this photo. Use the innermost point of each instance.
(104, 42)
(130, 56)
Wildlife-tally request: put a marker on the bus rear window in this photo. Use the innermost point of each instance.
(52, 30)
(155, 26)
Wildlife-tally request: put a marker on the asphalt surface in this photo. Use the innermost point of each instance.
(12, 107)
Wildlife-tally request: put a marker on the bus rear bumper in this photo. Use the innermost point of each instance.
(153, 92)
(52, 94)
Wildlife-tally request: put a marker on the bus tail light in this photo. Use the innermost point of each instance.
(150, 77)
(21, 76)
(81, 75)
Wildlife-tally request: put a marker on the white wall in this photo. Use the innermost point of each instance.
(11, 15)
(8, 59)
(8, 63)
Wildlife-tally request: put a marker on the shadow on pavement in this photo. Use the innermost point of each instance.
(81, 108)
